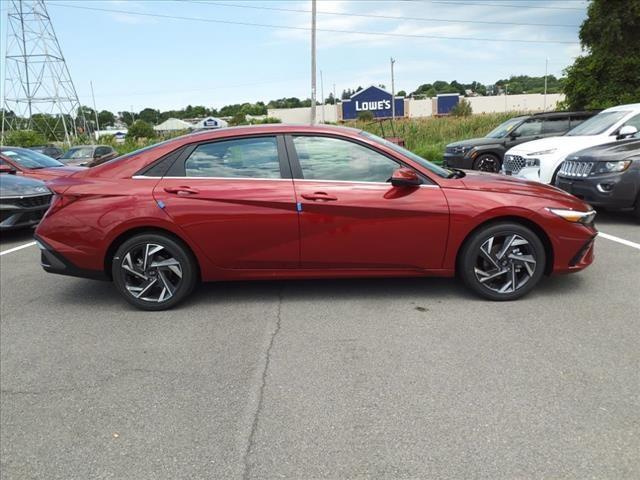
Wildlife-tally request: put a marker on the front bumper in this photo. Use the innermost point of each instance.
(54, 262)
(616, 191)
(526, 173)
(22, 212)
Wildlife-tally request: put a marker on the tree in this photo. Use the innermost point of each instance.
(149, 115)
(24, 138)
(609, 73)
(462, 108)
(106, 118)
(127, 117)
(401, 93)
(140, 129)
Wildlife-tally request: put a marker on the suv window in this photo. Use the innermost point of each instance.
(531, 127)
(102, 151)
(239, 158)
(556, 125)
(326, 158)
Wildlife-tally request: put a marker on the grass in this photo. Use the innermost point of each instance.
(428, 137)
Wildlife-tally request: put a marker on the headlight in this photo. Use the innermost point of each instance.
(612, 167)
(531, 162)
(544, 152)
(574, 216)
(461, 149)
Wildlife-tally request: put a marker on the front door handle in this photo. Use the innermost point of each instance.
(182, 190)
(319, 196)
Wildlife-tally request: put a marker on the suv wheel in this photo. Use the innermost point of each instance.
(502, 261)
(154, 271)
(487, 163)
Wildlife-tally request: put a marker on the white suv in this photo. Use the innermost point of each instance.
(540, 160)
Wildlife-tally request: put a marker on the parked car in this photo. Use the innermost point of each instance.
(33, 164)
(284, 201)
(23, 201)
(486, 153)
(88, 155)
(606, 176)
(48, 150)
(540, 160)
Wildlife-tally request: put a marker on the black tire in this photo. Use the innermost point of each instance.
(487, 162)
(472, 260)
(180, 274)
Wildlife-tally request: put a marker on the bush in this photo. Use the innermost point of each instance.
(462, 108)
(238, 119)
(140, 129)
(365, 116)
(24, 138)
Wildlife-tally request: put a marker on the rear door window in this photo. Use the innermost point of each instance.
(557, 125)
(530, 128)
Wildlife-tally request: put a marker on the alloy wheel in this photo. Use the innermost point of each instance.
(151, 272)
(488, 163)
(505, 263)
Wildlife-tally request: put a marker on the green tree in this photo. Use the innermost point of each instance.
(149, 115)
(106, 118)
(609, 73)
(401, 93)
(462, 108)
(140, 129)
(24, 138)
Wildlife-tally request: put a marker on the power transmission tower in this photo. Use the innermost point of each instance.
(38, 91)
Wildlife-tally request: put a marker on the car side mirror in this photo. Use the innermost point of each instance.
(626, 132)
(405, 177)
(4, 168)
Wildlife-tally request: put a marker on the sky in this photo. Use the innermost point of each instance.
(139, 54)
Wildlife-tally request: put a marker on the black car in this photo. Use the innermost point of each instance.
(606, 176)
(48, 150)
(486, 153)
(23, 201)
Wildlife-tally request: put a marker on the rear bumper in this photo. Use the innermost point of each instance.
(54, 262)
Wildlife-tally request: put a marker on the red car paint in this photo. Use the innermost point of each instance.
(293, 228)
(43, 174)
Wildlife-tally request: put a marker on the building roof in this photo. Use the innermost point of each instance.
(173, 124)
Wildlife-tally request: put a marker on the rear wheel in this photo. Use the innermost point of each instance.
(487, 163)
(154, 271)
(502, 261)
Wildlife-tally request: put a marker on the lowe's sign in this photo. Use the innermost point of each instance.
(374, 100)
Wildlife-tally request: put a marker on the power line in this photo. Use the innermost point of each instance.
(502, 5)
(328, 30)
(384, 17)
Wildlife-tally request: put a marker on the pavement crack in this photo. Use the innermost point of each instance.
(254, 424)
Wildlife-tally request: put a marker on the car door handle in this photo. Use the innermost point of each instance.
(182, 190)
(322, 196)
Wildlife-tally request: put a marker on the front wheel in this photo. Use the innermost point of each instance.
(154, 271)
(502, 261)
(487, 163)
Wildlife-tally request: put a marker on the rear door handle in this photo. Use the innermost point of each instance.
(322, 196)
(182, 190)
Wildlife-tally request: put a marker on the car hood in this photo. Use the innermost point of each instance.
(490, 182)
(564, 145)
(13, 185)
(476, 141)
(609, 151)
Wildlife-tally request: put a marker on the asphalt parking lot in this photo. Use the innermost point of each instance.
(405, 378)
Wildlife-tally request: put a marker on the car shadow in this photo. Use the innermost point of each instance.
(619, 218)
(19, 236)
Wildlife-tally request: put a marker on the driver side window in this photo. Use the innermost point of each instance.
(327, 158)
(530, 128)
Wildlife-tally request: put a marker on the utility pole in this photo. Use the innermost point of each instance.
(546, 69)
(393, 93)
(95, 110)
(322, 95)
(313, 62)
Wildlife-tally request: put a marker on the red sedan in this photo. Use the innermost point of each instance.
(32, 164)
(279, 201)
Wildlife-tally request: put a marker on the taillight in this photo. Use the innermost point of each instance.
(58, 202)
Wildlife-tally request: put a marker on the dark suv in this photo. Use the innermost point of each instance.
(486, 153)
(606, 176)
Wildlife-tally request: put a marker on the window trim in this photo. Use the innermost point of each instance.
(296, 167)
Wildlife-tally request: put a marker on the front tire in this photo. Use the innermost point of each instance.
(154, 271)
(502, 261)
(487, 163)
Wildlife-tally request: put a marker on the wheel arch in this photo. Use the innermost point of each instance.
(127, 234)
(526, 222)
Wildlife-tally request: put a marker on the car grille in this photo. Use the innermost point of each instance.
(28, 202)
(513, 163)
(575, 169)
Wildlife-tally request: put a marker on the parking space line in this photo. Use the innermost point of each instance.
(619, 240)
(15, 249)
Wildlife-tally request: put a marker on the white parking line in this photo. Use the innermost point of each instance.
(15, 249)
(619, 240)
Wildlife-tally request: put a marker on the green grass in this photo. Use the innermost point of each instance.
(428, 137)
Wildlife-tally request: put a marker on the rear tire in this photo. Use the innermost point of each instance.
(154, 271)
(502, 261)
(487, 162)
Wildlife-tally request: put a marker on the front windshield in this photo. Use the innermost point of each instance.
(504, 128)
(598, 124)
(82, 152)
(432, 167)
(30, 159)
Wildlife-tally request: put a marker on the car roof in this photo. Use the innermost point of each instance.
(274, 128)
(565, 114)
(628, 106)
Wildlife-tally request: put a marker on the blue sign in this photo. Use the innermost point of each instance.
(374, 100)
